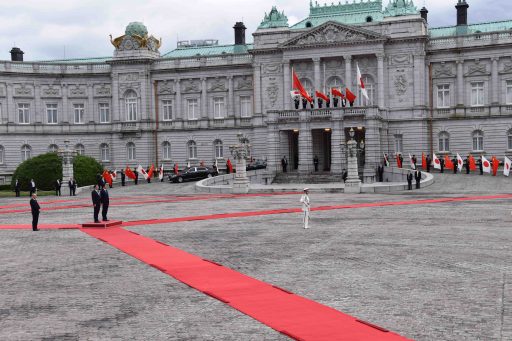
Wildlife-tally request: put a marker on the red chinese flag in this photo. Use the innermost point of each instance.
(495, 164)
(298, 85)
(423, 161)
(398, 162)
(151, 171)
(107, 177)
(336, 92)
(350, 96)
(321, 95)
(230, 166)
(176, 170)
(129, 173)
(448, 164)
(472, 163)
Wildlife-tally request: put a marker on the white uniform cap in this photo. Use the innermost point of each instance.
(306, 189)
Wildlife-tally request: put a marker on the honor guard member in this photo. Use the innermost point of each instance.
(17, 188)
(34, 207)
(480, 165)
(123, 178)
(284, 164)
(32, 187)
(409, 180)
(136, 175)
(305, 207)
(296, 101)
(104, 203)
(417, 176)
(466, 164)
(455, 164)
(57, 187)
(429, 161)
(320, 103)
(304, 103)
(441, 163)
(96, 202)
(315, 162)
(380, 172)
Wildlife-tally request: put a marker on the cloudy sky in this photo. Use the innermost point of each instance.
(50, 29)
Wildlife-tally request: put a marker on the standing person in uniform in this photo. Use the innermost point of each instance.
(284, 164)
(441, 163)
(305, 207)
(96, 202)
(123, 178)
(428, 161)
(344, 175)
(466, 164)
(480, 165)
(380, 172)
(296, 101)
(70, 185)
(32, 187)
(409, 180)
(136, 175)
(75, 185)
(34, 207)
(455, 163)
(417, 176)
(17, 188)
(104, 202)
(315, 162)
(57, 187)
(149, 178)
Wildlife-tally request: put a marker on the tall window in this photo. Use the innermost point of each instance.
(104, 152)
(26, 152)
(398, 144)
(192, 150)
(308, 86)
(166, 150)
(509, 144)
(444, 142)
(443, 96)
(192, 108)
(477, 94)
(370, 89)
(80, 149)
(79, 110)
(130, 151)
(51, 113)
(131, 105)
(218, 107)
(23, 113)
(334, 82)
(245, 106)
(104, 113)
(53, 148)
(478, 140)
(167, 106)
(219, 149)
(509, 92)
(2, 152)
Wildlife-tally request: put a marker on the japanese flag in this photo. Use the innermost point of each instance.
(412, 163)
(114, 174)
(142, 172)
(506, 166)
(361, 84)
(486, 165)
(460, 162)
(295, 94)
(436, 162)
(161, 173)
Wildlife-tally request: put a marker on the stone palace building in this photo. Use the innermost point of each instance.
(442, 90)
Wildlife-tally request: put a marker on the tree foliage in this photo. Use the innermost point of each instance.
(45, 169)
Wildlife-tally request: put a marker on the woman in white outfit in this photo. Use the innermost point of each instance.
(305, 207)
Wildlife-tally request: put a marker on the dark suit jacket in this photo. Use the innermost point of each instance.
(104, 197)
(417, 176)
(34, 206)
(96, 199)
(409, 178)
(32, 188)
(17, 186)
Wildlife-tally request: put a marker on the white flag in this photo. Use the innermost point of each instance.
(413, 166)
(506, 166)
(360, 83)
(114, 174)
(295, 94)
(161, 174)
(386, 161)
(436, 162)
(486, 165)
(460, 162)
(142, 172)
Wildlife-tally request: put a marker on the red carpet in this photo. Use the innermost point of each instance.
(292, 315)
(40, 226)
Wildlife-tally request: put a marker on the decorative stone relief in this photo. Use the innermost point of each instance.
(191, 86)
(218, 84)
(103, 90)
(507, 68)
(50, 91)
(2, 91)
(77, 90)
(334, 64)
(366, 62)
(400, 59)
(244, 83)
(166, 88)
(272, 91)
(129, 77)
(23, 90)
(400, 83)
(477, 68)
(443, 70)
(271, 69)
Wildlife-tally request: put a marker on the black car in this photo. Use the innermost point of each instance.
(193, 173)
(256, 164)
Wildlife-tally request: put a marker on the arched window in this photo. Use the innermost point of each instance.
(334, 82)
(478, 140)
(26, 152)
(192, 150)
(219, 149)
(80, 149)
(509, 144)
(130, 151)
(166, 150)
(369, 19)
(369, 85)
(444, 141)
(131, 101)
(104, 152)
(309, 24)
(2, 152)
(53, 148)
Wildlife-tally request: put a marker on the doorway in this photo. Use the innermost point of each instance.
(322, 148)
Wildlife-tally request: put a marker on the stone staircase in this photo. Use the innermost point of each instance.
(311, 178)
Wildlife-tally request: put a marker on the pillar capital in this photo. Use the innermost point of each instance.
(347, 57)
(380, 56)
(316, 60)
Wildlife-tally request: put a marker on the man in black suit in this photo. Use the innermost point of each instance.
(380, 172)
(296, 102)
(455, 164)
(57, 187)
(17, 188)
(409, 180)
(136, 176)
(70, 185)
(429, 161)
(344, 175)
(123, 177)
(32, 187)
(96, 202)
(441, 162)
(315, 162)
(417, 176)
(480, 166)
(34, 207)
(104, 202)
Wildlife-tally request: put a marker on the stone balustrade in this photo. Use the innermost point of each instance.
(473, 40)
(54, 68)
(327, 114)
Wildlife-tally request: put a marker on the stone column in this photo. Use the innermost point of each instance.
(64, 117)
(89, 110)
(231, 97)
(460, 83)
(419, 79)
(11, 109)
(241, 182)
(316, 68)
(178, 106)
(116, 104)
(305, 145)
(204, 99)
(287, 85)
(38, 110)
(494, 80)
(380, 81)
(336, 141)
(353, 184)
(257, 89)
(372, 150)
(348, 72)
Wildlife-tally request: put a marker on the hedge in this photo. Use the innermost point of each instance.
(85, 169)
(45, 169)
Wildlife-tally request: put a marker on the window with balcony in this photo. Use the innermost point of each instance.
(192, 150)
(167, 109)
(26, 152)
(370, 89)
(131, 102)
(79, 111)
(51, 113)
(166, 150)
(478, 140)
(104, 112)
(23, 113)
(130, 151)
(477, 94)
(443, 96)
(245, 106)
(444, 142)
(104, 152)
(219, 110)
(192, 108)
(219, 149)
(509, 138)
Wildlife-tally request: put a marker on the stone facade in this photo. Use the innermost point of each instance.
(139, 107)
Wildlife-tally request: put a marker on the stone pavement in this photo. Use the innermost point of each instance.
(437, 271)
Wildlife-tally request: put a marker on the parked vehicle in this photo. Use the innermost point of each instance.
(193, 173)
(257, 164)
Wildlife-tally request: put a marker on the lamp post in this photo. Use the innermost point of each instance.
(67, 155)
(353, 184)
(240, 152)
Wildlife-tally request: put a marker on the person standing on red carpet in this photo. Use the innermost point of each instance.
(96, 202)
(34, 207)
(305, 207)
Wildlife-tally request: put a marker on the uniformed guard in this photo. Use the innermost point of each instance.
(305, 207)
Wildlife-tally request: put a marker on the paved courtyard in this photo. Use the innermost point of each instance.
(424, 268)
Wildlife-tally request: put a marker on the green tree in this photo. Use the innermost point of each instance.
(85, 169)
(45, 169)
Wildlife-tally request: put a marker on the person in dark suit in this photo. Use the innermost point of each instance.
(429, 161)
(34, 207)
(304, 103)
(136, 176)
(17, 188)
(57, 187)
(284, 164)
(32, 187)
(344, 175)
(315, 162)
(417, 176)
(335, 102)
(466, 164)
(123, 178)
(380, 172)
(328, 102)
(441, 163)
(409, 180)
(96, 202)
(70, 185)
(296, 101)
(480, 166)
(104, 202)
(455, 165)
(149, 178)
(320, 103)
(75, 185)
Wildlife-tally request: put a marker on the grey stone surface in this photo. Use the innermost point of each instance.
(437, 271)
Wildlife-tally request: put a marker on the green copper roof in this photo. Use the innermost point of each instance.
(400, 7)
(451, 31)
(274, 19)
(208, 51)
(137, 28)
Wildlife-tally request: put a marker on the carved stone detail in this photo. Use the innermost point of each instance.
(103, 90)
(400, 84)
(218, 84)
(166, 88)
(76, 91)
(271, 69)
(244, 83)
(507, 68)
(477, 69)
(129, 77)
(272, 91)
(400, 59)
(50, 91)
(23, 90)
(191, 86)
(443, 70)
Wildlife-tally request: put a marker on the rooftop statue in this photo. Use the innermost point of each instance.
(135, 38)
(274, 19)
(400, 7)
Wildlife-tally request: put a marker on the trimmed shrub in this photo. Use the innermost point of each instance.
(85, 169)
(45, 169)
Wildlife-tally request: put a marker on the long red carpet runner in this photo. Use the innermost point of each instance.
(290, 314)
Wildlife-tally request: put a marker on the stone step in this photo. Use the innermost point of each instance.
(312, 178)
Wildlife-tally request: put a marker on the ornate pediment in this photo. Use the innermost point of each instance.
(333, 33)
(477, 69)
(443, 71)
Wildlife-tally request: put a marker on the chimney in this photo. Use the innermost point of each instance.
(462, 13)
(239, 33)
(16, 54)
(424, 14)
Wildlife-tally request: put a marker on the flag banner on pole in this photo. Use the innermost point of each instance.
(151, 171)
(495, 165)
(336, 92)
(129, 173)
(486, 165)
(360, 83)
(350, 96)
(506, 166)
(423, 161)
(114, 174)
(413, 166)
(460, 162)
(472, 163)
(176, 169)
(161, 172)
(107, 177)
(321, 95)
(142, 172)
(298, 85)
(386, 161)
(436, 161)
(398, 161)
(295, 94)
(448, 164)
